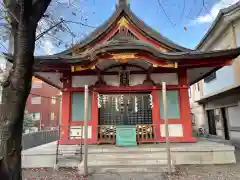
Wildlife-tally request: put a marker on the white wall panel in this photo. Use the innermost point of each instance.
(234, 116)
(175, 130)
(77, 130)
(169, 78)
(112, 80)
(80, 81)
(137, 79)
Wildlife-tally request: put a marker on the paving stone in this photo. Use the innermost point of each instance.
(70, 174)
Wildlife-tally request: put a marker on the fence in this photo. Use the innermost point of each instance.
(39, 138)
(144, 133)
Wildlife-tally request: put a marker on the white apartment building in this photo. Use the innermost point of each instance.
(215, 100)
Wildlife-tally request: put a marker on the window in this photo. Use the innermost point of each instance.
(53, 100)
(193, 119)
(52, 116)
(78, 106)
(173, 110)
(36, 116)
(0, 94)
(36, 100)
(36, 83)
(211, 77)
(237, 32)
(189, 92)
(197, 86)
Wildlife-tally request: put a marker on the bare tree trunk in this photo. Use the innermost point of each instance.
(15, 93)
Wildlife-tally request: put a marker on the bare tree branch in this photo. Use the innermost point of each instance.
(3, 46)
(39, 9)
(83, 24)
(49, 29)
(12, 8)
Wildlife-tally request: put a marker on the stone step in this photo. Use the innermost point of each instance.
(119, 162)
(111, 163)
(131, 169)
(141, 155)
(126, 168)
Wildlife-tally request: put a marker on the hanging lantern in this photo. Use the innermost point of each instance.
(136, 104)
(121, 99)
(150, 101)
(116, 104)
(99, 101)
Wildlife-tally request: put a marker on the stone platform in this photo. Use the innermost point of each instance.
(145, 157)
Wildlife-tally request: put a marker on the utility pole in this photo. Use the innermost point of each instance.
(85, 158)
(164, 98)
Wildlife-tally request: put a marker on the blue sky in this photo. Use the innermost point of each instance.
(189, 13)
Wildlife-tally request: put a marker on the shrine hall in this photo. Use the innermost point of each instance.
(124, 62)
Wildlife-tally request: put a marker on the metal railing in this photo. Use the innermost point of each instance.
(75, 133)
(39, 138)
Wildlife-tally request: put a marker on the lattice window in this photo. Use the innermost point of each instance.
(126, 109)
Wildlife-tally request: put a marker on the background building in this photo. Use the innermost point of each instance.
(43, 104)
(215, 100)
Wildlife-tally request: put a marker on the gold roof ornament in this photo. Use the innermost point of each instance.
(82, 68)
(170, 65)
(163, 49)
(123, 56)
(123, 22)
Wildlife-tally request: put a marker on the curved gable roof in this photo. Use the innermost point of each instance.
(124, 10)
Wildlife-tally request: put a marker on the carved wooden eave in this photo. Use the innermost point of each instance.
(125, 40)
(125, 51)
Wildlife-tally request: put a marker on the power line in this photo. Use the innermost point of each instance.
(195, 1)
(183, 10)
(207, 10)
(45, 97)
(161, 6)
(201, 9)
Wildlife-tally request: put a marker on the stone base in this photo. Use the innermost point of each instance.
(145, 157)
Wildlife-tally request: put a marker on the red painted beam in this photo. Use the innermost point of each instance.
(114, 89)
(204, 63)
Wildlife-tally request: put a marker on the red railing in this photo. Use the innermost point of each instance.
(106, 134)
(144, 133)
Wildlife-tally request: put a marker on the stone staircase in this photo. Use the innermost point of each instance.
(107, 159)
(68, 156)
(126, 159)
(142, 158)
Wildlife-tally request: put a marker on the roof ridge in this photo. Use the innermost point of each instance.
(221, 13)
(124, 9)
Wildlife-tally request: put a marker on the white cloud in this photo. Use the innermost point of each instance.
(210, 16)
(48, 47)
